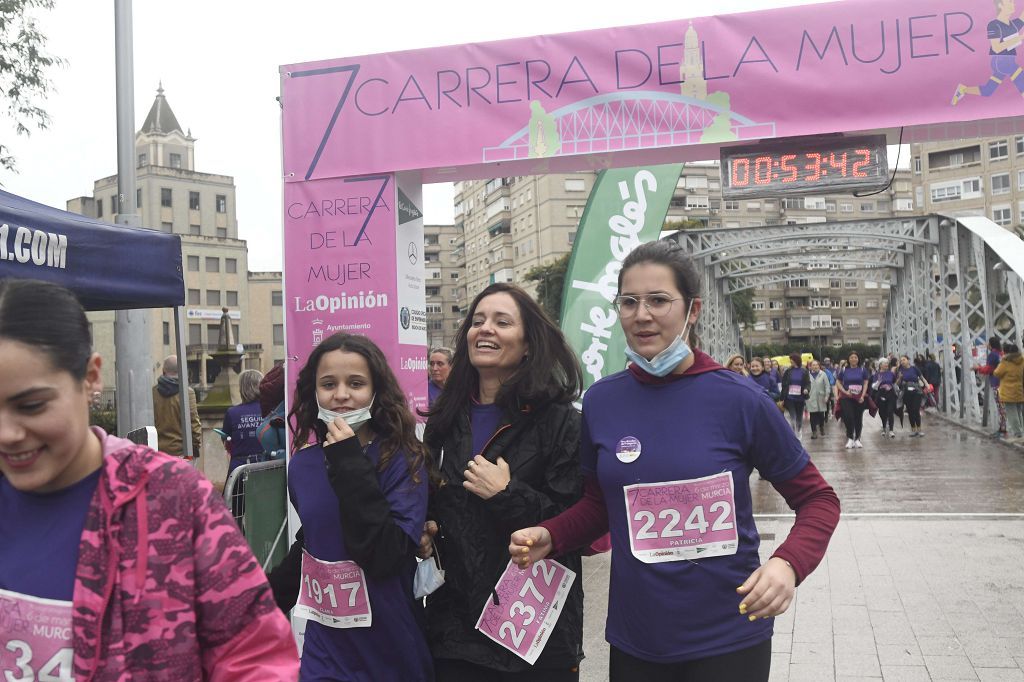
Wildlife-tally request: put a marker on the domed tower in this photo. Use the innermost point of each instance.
(691, 70)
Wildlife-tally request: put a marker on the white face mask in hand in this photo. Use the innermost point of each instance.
(429, 576)
(354, 418)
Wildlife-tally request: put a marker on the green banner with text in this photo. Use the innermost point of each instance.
(626, 208)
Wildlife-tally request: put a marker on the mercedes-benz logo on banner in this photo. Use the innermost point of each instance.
(413, 253)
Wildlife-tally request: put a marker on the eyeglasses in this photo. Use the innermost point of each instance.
(656, 304)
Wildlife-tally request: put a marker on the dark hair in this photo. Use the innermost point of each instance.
(549, 373)
(851, 355)
(1010, 348)
(390, 417)
(47, 317)
(995, 344)
(796, 360)
(272, 389)
(670, 254)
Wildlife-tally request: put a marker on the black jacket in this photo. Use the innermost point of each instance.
(805, 384)
(375, 541)
(542, 451)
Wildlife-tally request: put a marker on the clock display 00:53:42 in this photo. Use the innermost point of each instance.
(766, 169)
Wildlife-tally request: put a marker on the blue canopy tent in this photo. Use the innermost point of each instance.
(109, 267)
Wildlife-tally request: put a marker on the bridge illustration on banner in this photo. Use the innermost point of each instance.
(627, 120)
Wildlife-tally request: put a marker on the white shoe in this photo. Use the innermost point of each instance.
(892, 434)
(857, 444)
(849, 443)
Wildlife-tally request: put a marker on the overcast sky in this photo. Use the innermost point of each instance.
(218, 61)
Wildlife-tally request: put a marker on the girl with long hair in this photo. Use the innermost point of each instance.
(127, 555)
(503, 441)
(358, 482)
(851, 391)
(667, 448)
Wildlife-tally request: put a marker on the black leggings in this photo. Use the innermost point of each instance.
(886, 409)
(818, 421)
(912, 401)
(450, 670)
(853, 417)
(746, 665)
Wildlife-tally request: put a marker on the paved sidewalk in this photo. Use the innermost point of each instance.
(923, 580)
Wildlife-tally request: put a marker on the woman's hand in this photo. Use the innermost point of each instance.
(529, 545)
(485, 480)
(337, 431)
(426, 547)
(768, 591)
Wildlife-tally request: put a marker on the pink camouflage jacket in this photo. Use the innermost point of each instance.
(166, 586)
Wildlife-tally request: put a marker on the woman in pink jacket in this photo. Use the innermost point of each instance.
(116, 561)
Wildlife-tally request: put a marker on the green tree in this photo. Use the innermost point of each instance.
(550, 279)
(742, 308)
(23, 66)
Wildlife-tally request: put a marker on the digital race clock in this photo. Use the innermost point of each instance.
(818, 165)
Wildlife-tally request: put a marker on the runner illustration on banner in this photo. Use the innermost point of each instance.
(1004, 39)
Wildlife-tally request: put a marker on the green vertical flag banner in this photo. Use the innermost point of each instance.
(626, 208)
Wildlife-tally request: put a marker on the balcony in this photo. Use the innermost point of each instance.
(503, 226)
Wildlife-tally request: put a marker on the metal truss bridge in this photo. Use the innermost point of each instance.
(951, 280)
(630, 120)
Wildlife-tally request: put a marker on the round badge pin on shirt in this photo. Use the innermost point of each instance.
(628, 450)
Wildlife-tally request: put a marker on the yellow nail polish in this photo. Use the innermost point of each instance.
(743, 609)
(751, 618)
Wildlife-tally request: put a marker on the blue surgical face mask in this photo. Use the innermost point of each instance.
(667, 360)
(354, 418)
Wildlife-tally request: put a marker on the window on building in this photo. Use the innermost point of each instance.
(193, 263)
(142, 159)
(917, 164)
(165, 197)
(167, 333)
(1002, 215)
(99, 207)
(138, 199)
(278, 334)
(830, 206)
(757, 305)
(222, 203)
(732, 205)
(998, 150)
(697, 201)
(793, 203)
(867, 207)
(575, 185)
(213, 334)
(232, 299)
(850, 284)
(275, 298)
(194, 229)
(754, 206)
(195, 334)
(852, 323)
(1020, 179)
(222, 232)
(851, 304)
(212, 264)
(193, 201)
(1019, 142)
(798, 283)
(167, 227)
(212, 297)
(453, 275)
(814, 203)
(774, 305)
(846, 207)
(903, 204)
(1001, 183)
(193, 296)
(175, 160)
(837, 324)
(835, 283)
(836, 304)
(776, 324)
(115, 205)
(872, 303)
(231, 265)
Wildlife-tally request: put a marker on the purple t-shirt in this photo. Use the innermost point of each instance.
(690, 428)
(853, 376)
(394, 647)
(993, 360)
(764, 381)
(242, 423)
(885, 380)
(484, 420)
(39, 538)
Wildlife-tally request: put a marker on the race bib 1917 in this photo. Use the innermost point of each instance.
(333, 593)
(855, 389)
(794, 390)
(682, 520)
(35, 639)
(525, 607)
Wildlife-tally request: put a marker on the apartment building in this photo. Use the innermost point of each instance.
(442, 251)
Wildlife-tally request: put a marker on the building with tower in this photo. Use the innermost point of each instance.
(173, 197)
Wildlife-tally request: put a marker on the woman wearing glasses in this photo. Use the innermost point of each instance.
(667, 448)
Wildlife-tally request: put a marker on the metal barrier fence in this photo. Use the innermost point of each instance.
(257, 495)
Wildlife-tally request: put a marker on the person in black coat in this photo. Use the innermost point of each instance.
(503, 447)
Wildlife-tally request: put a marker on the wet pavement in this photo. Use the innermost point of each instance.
(924, 578)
